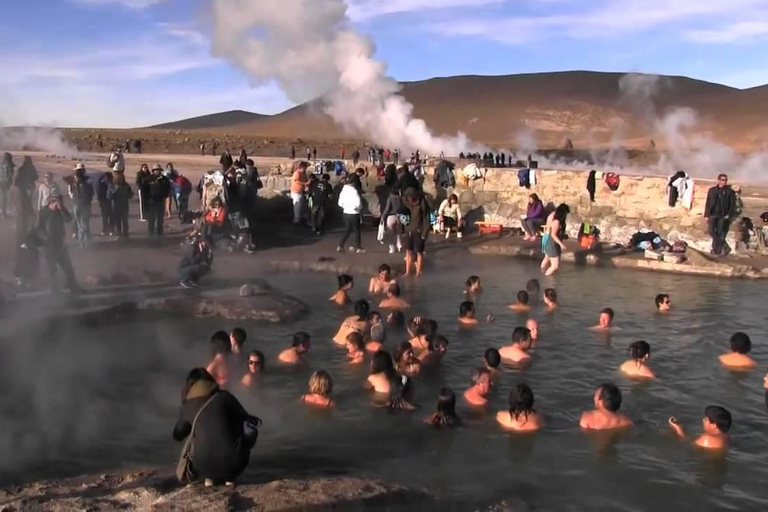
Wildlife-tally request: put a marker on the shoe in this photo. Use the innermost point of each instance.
(447, 235)
(249, 250)
(351, 249)
(339, 248)
(391, 249)
(208, 482)
(360, 251)
(186, 284)
(74, 235)
(458, 235)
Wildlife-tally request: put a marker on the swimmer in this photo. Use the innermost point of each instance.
(467, 314)
(418, 330)
(341, 297)
(378, 331)
(432, 356)
(355, 348)
(382, 370)
(300, 346)
(396, 319)
(716, 423)
(521, 416)
(550, 299)
(355, 323)
(320, 388)
(406, 362)
(737, 358)
(480, 389)
(445, 415)
(640, 352)
(521, 306)
(491, 361)
(441, 346)
(473, 287)
(237, 337)
(605, 321)
(221, 349)
(518, 350)
(393, 300)
(255, 368)
(400, 393)
(381, 282)
(663, 303)
(533, 287)
(605, 416)
(533, 326)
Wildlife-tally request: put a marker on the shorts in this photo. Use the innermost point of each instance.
(549, 247)
(414, 242)
(450, 222)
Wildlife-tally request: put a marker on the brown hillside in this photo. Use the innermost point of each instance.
(220, 120)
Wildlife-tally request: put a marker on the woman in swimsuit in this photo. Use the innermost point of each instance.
(551, 244)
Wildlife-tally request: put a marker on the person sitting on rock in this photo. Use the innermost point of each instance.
(222, 432)
(196, 263)
(393, 300)
(300, 346)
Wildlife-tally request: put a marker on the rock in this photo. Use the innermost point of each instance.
(566, 144)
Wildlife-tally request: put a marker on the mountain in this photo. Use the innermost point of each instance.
(212, 121)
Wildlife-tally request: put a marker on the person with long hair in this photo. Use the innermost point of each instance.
(341, 297)
(445, 415)
(521, 416)
(534, 217)
(416, 230)
(551, 242)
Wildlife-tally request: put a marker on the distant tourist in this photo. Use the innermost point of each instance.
(120, 195)
(299, 183)
(535, 217)
(416, 229)
(158, 191)
(51, 230)
(81, 191)
(46, 189)
(293, 152)
(7, 172)
(226, 161)
(142, 187)
(243, 158)
(202, 148)
(718, 212)
(320, 196)
(116, 160)
(21, 194)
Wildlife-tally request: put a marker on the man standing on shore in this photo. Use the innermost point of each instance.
(51, 230)
(718, 212)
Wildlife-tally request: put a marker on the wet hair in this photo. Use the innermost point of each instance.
(398, 319)
(401, 349)
(477, 374)
(320, 383)
(384, 268)
(521, 335)
(441, 343)
(362, 308)
(740, 343)
(239, 335)
(551, 294)
(220, 343)
(258, 354)
(374, 314)
(639, 349)
(381, 362)
(467, 309)
(533, 286)
(400, 392)
(523, 297)
(430, 327)
(471, 281)
(394, 289)
(300, 339)
(445, 415)
(492, 357)
(344, 280)
(195, 375)
(610, 396)
(660, 298)
(720, 417)
(609, 312)
(356, 339)
(521, 402)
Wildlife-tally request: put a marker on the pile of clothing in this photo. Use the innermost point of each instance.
(444, 176)
(647, 240)
(680, 187)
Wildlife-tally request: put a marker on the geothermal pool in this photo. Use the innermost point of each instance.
(86, 401)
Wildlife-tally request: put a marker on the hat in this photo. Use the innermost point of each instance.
(80, 167)
(157, 167)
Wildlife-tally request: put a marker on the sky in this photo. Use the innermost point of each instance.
(132, 63)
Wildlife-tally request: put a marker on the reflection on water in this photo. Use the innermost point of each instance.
(88, 401)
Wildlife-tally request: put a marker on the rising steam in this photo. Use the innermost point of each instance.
(309, 48)
(35, 139)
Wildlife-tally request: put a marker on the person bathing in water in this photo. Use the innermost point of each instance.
(406, 362)
(480, 388)
(418, 330)
(381, 282)
(533, 327)
(518, 350)
(355, 348)
(491, 361)
(393, 300)
(255, 368)
(445, 415)
(382, 372)
(237, 337)
(522, 305)
(550, 299)
(605, 321)
(467, 315)
(606, 415)
(737, 358)
(473, 287)
(378, 329)
(300, 346)
(640, 352)
(663, 303)
(221, 349)
(355, 323)
(521, 416)
(436, 348)
(341, 297)
(320, 388)
(716, 424)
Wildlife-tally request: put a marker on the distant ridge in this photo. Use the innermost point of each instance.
(218, 120)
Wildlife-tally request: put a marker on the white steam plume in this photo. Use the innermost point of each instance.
(35, 139)
(310, 49)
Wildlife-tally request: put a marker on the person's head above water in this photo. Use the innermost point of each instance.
(346, 282)
(533, 327)
(355, 340)
(521, 336)
(467, 309)
(396, 319)
(393, 290)
(717, 420)
(606, 318)
(362, 307)
(445, 414)
(384, 271)
(663, 302)
(441, 344)
(472, 284)
(533, 286)
(403, 352)
(640, 350)
(255, 361)
(320, 383)
(381, 362)
(740, 343)
(520, 401)
(523, 297)
(481, 380)
(608, 397)
(374, 317)
(550, 296)
(301, 342)
(492, 358)
(220, 344)
(237, 339)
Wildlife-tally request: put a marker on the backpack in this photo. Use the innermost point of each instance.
(612, 180)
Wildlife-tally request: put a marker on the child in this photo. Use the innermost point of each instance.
(737, 358)
(320, 387)
(716, 423)
(521, 306)
(299, 347)
(355, 348)
(640, 352)
(341, 297)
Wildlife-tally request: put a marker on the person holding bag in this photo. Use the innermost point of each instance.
(218, 433)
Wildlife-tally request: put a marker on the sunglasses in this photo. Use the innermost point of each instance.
(252, 362)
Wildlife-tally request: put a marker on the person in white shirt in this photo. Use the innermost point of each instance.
(351, 205)
(450, 216)
(46, 189)
(117, 161)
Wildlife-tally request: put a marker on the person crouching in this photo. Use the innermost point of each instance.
(196, 263)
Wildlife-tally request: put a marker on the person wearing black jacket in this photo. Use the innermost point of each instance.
(51, 232)
(406, 179)
(158, 190)
(195, 263)
(103, 193)
(224, 433)
(718, 212)
(226, 161)
(320, 195)
(142, 186)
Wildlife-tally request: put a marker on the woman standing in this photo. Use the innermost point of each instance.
(416, 229)
(120, 196)
(551, 242)
(390, 221)
(534, 217)
(351, 205)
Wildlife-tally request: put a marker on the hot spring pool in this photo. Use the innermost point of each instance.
(87, 401)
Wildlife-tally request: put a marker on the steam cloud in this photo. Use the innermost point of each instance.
(35, 139)
(309, 48)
